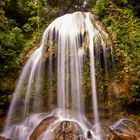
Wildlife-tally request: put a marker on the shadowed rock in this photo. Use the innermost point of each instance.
(126, 129)
(105, 132)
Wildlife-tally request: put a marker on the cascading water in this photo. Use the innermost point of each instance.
(72, 36)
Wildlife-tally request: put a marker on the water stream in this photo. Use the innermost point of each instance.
(70, 38)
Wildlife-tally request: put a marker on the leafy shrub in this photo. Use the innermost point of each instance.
(101, 7)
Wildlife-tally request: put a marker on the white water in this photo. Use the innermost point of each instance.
(68, 34)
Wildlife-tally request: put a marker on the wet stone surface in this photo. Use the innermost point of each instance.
(42, 127)
(2, 138)
(105, 132)
(123, 129)
(126, 129)
(66, 130)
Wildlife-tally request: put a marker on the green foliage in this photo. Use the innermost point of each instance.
(20, 22)
(66, 3)
(123, 26)
(108, 20)
(101, 8)
(11, 44)
(121, 2)
(27, 28)
(136, 6)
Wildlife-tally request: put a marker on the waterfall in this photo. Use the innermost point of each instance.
(70, 38)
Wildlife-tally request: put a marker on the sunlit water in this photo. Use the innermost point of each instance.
(67, 34)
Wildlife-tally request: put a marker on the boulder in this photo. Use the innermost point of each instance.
(2, 138)
(42, 127)
(105, 132)
(64, 130)
(126, 129)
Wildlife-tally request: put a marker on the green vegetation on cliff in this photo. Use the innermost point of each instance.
(121, 18)
(22, 22)
(21, 25)
(19, 28)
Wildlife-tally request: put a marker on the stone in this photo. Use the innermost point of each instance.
(126, 129)
(66, 130)
(105, 132)
(42, 127)
(2, 138)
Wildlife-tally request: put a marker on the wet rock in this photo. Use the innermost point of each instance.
(126, 129)
(89, 135)
(58, 129)
(42, 127)
(105, 132)
(80, 137)
(120, 91)
(2, 138)
(67, 131)
(64, 130)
